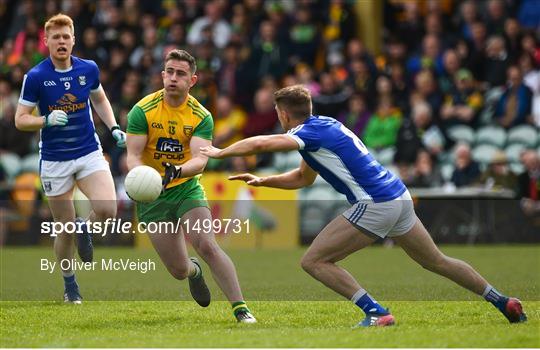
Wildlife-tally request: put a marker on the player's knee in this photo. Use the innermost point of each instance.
(105, 211)
(308, 264)
(180, 272)
(207, 249)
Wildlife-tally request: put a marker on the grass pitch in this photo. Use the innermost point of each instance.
(129, 309)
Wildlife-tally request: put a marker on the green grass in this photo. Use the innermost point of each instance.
(124, 309)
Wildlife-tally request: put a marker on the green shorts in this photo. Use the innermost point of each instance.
(173, 203)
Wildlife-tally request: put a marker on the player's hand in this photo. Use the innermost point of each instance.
(250, 179)
(119, 136)
(211, 152)
(56, 118)
(171, 173)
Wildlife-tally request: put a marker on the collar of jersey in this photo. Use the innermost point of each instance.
(182, 106)
(62, 70)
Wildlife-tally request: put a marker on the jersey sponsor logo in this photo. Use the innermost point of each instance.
(156, 125)
(49, 83)
(188, 130)
(82, 80)
(66, 78)
(67, 99)
(169, 149)
(68, 103)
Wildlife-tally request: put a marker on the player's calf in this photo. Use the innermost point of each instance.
(85, 248)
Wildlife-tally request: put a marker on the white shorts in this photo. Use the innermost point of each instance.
(392, 218)
(59, 177)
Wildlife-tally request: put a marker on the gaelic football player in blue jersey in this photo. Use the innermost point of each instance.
(381, 205)
(62, 87)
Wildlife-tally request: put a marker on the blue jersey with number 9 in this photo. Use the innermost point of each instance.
(67, 90)
(341, 159)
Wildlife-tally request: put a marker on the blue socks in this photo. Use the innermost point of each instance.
(369, 305)
(493, 296)
(69, 281)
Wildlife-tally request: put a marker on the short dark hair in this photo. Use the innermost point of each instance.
(182, 55)
(295, 99)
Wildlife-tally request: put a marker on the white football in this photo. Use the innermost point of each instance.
(143, 184)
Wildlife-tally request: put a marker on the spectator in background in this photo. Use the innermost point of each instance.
(12, 139)
(466, 171)
(357, 115)
(149, 44)
(361, 80)
(382, 128)
(176, 35)
(304, 75)
(213, 18)
(332, 99)
(464, 103)
(304, 37)
(426, 88)
(111, 26)
(410, 29)
(529, 182)
(205, 91)
(476, 58)
(340, 24)
(430, 58)
(31, 31)
(433, 25)
(514, 106)
(498, 174)
(512, 38)
(90, 49)
(229, 75)
(451, 64)
(240, 26)
(400, 87)
(425, 173)
(263, 118)
(229, 122)
(357, 50)
(268, 56)
(468, 15)
(497, 62)
(8, 98)
(496, 16)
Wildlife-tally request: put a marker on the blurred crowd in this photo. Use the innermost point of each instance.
(442, 64)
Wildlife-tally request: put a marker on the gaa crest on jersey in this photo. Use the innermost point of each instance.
(47, 186)
(188, 130)
(172, 129)
(82, 80)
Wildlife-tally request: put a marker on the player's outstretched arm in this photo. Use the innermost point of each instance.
(253, 145)
(198, 161)
(103, 107)
(297, 178)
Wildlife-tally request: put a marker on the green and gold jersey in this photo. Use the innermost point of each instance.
(169, 130)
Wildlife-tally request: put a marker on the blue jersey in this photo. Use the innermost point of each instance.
(341, 159)
(67, 90)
